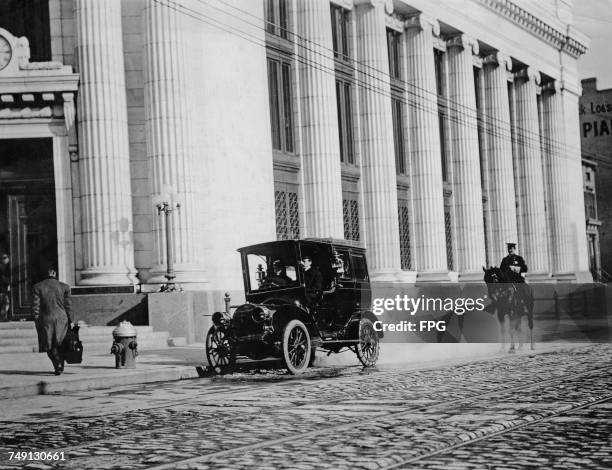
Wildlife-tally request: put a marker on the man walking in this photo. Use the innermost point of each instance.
(52, 309)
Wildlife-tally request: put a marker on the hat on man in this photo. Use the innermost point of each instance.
(511, 245)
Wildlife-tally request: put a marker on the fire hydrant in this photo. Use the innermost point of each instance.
(124, 346)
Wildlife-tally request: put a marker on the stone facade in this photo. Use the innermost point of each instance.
(596, 139)
(266, 119)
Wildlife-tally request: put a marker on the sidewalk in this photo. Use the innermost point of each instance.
(31, 373)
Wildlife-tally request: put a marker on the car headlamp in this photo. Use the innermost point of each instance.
(220, 318)
(262, 313)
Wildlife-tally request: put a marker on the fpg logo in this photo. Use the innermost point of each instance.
(429, 325)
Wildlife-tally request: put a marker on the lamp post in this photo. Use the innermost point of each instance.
(167, 204)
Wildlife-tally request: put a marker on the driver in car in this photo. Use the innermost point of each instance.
(278, 277)
(313, 280)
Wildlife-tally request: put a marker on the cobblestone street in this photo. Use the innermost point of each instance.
(547, 410)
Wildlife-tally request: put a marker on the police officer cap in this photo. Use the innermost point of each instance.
(511, 245)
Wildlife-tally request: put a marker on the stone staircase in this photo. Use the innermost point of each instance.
(20, 337)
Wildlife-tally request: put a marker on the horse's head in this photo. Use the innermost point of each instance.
(492, 275)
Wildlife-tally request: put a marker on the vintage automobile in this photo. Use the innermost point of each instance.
(290, 313)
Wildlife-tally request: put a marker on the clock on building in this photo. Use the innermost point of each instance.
(6, 52)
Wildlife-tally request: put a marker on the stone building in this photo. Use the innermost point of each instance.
(431, 132)
(596, 130)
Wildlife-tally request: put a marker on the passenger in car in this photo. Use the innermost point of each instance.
(313, 280)
(278, 276)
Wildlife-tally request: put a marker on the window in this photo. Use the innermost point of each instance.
(398, 136)
(478, 90)
(276, 17)
(404, 234)
(350, 215)
(442, 110)
(359, 267)
(281, 110)
(393, 49)
(590, 206)
(449, 238)
(29, 19)
(287, 214)
(340, 25)
(345, 121)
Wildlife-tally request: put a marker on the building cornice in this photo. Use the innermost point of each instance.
(560, 36)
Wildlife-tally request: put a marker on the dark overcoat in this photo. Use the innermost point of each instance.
(52, 307)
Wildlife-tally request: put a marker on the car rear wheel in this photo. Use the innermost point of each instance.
(296, 347)
(220, 353)
(368, 347)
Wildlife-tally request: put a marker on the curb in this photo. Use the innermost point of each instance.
(50, 386)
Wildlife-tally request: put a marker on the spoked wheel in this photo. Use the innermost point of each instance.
(296, 347)
(368, 346)
(220, 353)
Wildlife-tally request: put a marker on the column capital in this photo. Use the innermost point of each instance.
(498, 58)
(423, 22)
(528, 73)
(464, 41)
(552, 87)
(388, 4)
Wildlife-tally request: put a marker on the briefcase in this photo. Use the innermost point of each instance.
(72, 348)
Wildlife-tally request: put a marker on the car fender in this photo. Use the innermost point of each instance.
(352, 326)
(285, 313)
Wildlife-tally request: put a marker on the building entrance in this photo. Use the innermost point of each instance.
(28, 227)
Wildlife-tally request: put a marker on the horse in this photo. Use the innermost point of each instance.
(512, 299)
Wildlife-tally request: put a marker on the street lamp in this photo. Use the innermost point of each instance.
(167, 203)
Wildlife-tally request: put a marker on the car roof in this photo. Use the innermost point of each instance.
(339, 243)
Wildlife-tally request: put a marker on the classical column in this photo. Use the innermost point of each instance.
(430, 240)
(501, 196)
(557, 196)
(377, 157)
(321, 147)
(467, 192)
(169, 140)
(529, 182)
(104, 164)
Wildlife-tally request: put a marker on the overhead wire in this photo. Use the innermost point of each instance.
(378, 72)
(520, 135)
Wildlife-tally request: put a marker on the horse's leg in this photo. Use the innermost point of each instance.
(519, 331)
(512, 327)
(501, 318)
(530, 322)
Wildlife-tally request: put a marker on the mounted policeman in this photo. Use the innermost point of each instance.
(513, 265)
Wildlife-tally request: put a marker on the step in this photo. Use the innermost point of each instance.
(16, 325)
(84, 331)
(94, 338)
(87, 339)
(161, 343)
(87, 336)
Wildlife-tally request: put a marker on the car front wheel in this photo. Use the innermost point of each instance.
(220, 352)
(296, 347)
(368, 346)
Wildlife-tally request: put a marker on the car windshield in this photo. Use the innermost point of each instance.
(272, 267)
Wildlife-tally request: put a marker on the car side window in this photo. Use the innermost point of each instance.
(344, 268)
(359, 267)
